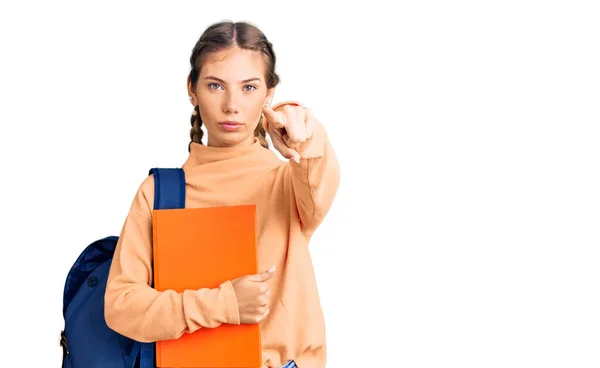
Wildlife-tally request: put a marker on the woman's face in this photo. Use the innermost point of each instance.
(231, 92)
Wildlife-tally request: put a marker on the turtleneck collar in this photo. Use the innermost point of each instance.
(201, 154)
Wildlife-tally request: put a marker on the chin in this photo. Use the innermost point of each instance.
(232, 139)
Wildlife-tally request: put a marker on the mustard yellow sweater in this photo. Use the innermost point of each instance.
(291, 201)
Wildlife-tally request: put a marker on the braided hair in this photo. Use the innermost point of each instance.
(220, 36)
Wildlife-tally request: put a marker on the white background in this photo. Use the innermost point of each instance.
(466, 228)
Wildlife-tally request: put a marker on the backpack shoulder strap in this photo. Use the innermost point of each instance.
(169, 193)
(169, 188)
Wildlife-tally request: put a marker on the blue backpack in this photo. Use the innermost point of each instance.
(86, 340)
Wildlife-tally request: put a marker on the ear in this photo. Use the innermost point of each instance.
(191, 92)
(270, 94)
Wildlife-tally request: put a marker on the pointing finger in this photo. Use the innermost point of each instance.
(283, 148)
(273, 117)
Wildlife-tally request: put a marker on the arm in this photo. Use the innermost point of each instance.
(136, 310)
(316, 178)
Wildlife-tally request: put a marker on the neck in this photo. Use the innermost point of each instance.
(201, 154)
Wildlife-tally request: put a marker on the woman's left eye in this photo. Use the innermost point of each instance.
(250, 86)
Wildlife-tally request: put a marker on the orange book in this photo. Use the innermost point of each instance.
(198, 248)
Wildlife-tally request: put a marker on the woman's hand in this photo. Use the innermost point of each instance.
(288, 127)
(253, 296)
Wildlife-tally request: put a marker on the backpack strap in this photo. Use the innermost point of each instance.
(169, 193)
(147, 355)
(169, 188)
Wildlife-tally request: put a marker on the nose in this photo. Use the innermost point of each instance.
(230, 104)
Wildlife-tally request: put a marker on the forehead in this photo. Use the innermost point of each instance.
(233, 64)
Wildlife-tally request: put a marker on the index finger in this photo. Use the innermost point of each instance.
(274, 117)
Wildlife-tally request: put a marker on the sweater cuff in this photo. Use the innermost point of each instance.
(288, 102)
(232, 312)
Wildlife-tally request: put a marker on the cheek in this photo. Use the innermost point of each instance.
(255, 110)
(255, 104)
(209, 105)
(249, 102)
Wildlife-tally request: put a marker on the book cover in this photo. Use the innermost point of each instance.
(198, 248)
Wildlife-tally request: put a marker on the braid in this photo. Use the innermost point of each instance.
(260, 133)
(220, 36)
(196, 132)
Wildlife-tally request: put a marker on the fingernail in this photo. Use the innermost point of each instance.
(272, 269)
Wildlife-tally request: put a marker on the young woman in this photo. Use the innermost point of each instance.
(231, 84)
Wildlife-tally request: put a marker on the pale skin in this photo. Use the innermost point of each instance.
(232, 87)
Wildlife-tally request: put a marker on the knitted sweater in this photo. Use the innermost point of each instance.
(291, 201)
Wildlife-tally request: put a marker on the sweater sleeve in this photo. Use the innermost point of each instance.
(136, 310)
(315, 179)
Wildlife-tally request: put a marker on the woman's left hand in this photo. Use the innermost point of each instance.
(288, 127)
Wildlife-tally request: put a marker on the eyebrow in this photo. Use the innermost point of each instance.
(222, 81)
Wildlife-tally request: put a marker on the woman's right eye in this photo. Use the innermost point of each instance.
(214, 86)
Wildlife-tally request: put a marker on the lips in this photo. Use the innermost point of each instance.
(230, 125)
